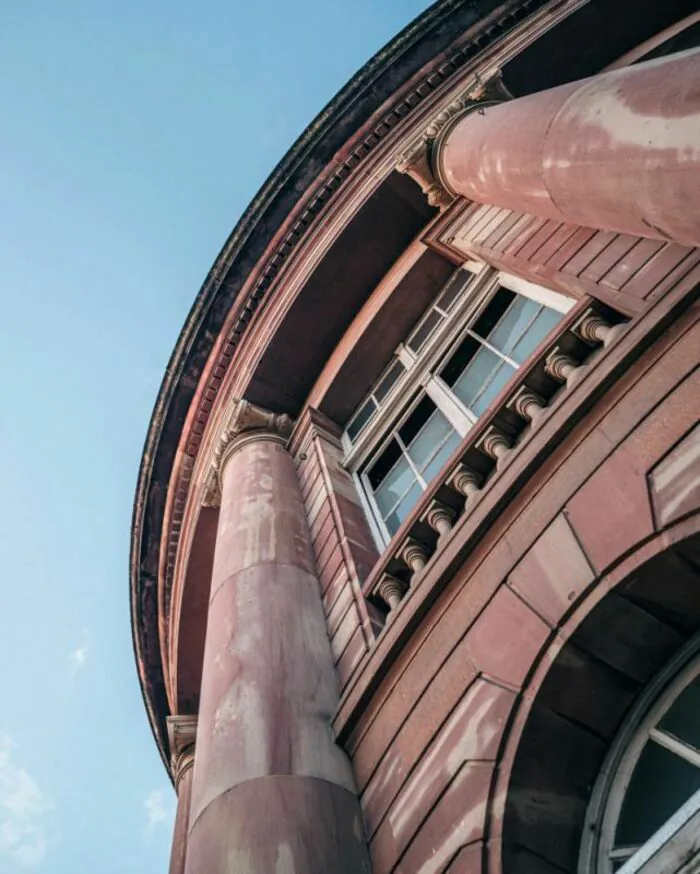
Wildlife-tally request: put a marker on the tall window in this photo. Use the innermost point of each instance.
(650, 788)
(447, 372)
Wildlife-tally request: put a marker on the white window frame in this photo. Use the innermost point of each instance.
(673, 849)
(665, 846)
(420, 375)
(392, 433)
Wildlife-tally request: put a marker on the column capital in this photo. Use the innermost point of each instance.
(244, 421)
(182, 734)
(420, 159)
(415, 162)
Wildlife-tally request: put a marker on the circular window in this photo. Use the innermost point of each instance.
(651, 772)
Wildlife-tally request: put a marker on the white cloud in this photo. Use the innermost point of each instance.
(23, 810)
(78, 657)
(158, 810)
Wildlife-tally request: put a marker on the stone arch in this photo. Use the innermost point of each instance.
(628, 626)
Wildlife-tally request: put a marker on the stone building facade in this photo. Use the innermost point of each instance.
(415, 569)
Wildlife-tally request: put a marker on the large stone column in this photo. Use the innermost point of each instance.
(181, 732)
(619, 151)
(272, 793)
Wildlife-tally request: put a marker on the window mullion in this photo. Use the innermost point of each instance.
(676, 746)
(493, 349)
(408, 458)
(623, 852)
(377, 525)
(446, 403)
(405, 356)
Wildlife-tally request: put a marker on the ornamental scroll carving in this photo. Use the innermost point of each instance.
(182, 734)
(243, 419)
(419, 160)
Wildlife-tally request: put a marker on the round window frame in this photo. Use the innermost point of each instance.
(611, 785)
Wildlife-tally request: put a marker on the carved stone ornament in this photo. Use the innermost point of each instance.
(182, 734)
(212, 492)
(594, 329)
(495, 444)
(245, 418)
(390, 590)
(414, 554)
(465, 481)
(418, 161)
(440, 519)
(416, 164)
(527, 403)
(560, 366)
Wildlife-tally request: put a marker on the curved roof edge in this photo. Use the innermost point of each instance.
(383, 75)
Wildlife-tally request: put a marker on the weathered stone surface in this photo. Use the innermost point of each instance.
(280, 825)
(617, 151)
(675, 481)
(553, 573)
(271, 790)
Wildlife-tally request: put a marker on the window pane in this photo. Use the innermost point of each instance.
(430, 437)
(362, 417)
(415, 420)
(393, 486)
(390, 377)
(453, 291)
(662, 782)
(483, 365)
(440, 458)
(424, 331)
(498, 380)
(682, 719)
(493, 311)
(512, 324)
(396, 518)
(462, 355)
(539, 329)
(384, 462)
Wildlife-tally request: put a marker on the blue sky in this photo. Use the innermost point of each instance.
(132, 136)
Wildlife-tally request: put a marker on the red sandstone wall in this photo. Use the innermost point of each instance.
(619, 269)
(343, 547)
(431, 752)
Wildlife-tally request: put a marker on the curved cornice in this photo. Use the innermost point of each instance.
(319, 163)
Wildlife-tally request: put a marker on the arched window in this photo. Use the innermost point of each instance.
(644, 815)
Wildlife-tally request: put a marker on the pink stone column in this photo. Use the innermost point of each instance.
(181, 732)
(271, 792)
(619, 151)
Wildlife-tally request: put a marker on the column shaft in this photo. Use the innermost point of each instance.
(620, 151)
(182, 819)
(271, 791)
